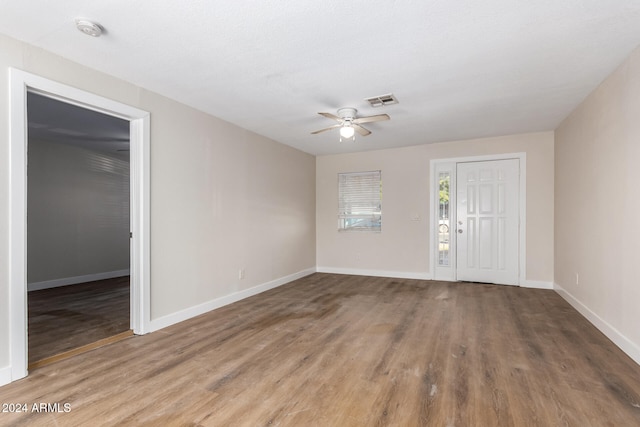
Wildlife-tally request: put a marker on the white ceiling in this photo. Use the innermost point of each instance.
(460, 68)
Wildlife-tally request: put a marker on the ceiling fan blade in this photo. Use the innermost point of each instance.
(368, 119)
(332, 116)
(325, 129)
(362, 131)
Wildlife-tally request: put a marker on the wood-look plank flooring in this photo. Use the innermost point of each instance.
(69, 317)
(334, 350)
(79, 350)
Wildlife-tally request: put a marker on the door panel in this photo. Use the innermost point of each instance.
(487, 221)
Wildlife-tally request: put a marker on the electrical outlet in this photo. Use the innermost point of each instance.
(241, 273)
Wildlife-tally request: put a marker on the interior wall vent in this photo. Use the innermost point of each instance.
(379, 101)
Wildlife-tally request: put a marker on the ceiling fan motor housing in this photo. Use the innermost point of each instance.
(347, 113)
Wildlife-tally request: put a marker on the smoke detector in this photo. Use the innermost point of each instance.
(89, 28)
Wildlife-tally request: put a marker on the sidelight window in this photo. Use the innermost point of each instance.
(444, 218)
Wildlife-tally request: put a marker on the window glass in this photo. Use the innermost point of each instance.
(360, 201)
(444, 232)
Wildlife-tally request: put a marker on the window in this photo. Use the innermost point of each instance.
(444, 232)
(359, 201)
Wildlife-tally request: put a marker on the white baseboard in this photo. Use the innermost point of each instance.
(536, 284)
(376, 273)
(632, 349)
(36, 286)
(5, 375)
(420, 276)
(177, 317)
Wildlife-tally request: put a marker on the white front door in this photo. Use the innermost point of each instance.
(487, 221)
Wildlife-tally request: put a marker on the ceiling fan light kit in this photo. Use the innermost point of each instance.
(347, 132)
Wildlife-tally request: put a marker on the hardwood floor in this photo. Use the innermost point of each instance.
(333, 350)
(68, 317)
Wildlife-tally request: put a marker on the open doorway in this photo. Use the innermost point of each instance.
(22, 83)
(78, 224)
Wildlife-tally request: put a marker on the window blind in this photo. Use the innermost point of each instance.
(360, 201)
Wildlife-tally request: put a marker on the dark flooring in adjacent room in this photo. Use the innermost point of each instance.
(68, 317)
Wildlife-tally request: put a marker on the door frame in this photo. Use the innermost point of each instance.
(22, 82)
(450, 165)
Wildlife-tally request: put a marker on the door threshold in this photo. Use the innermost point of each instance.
(85, 348)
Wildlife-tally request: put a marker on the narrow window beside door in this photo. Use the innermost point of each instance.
(444, 218)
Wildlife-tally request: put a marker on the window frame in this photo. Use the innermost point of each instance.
(360, 201)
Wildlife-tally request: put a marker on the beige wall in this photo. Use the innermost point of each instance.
(78, 205)
(403, 245)
(222, 198)
(597, 194)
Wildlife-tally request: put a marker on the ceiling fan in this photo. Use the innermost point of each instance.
(349, 123)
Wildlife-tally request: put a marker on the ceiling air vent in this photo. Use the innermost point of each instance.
(379, 101)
